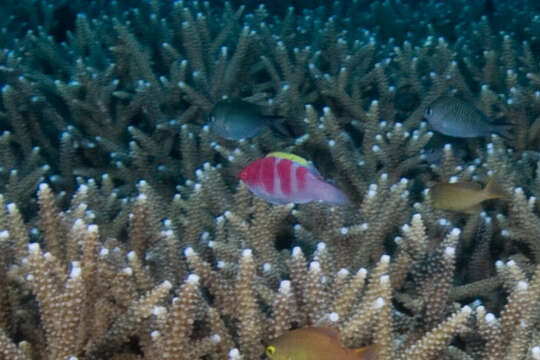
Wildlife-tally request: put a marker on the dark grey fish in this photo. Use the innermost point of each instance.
(235, 119)
(454, 117)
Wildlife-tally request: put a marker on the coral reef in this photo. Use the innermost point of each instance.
(125, 234)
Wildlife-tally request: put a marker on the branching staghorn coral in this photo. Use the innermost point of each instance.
(361, 305)
(113, 77)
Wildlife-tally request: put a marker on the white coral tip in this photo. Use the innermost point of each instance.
(535, 352)
(215, 339)
(285, 286)
(450, 251)
(159, 310)
(455, 232)
(342, 273)
(75, 270)
(522, 285)
(193, 279)
(43, 187)
(379, 303)
(267, 267)
(34, 248)
(189, 251)
(490, 318)
(234, 354)
(315, 266)
(362, 272)
(333, 317)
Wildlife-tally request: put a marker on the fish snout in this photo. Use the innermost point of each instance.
(243, 175)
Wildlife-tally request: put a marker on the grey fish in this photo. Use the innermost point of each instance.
(454, 117)
(235, 119)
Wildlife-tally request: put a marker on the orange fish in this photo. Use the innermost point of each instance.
(315, 343)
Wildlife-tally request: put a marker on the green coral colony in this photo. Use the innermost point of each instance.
(396, 215)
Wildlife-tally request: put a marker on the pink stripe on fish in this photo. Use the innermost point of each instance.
(250, 174)
(284, 175)
(300, 178)
(268, 173)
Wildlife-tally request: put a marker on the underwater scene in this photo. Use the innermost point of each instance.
(281, 180)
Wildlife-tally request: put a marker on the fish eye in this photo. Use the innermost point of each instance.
(270, 350)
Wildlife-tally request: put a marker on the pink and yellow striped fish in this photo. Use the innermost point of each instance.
(282, 178)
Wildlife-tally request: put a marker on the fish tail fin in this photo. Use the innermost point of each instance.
(504, 130)
(276, 123)
(326, 192)
(493, 189)
(366, 353)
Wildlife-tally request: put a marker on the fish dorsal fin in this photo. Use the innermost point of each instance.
(467, 186)
(312, 169)
(366, 353)
(276, 124)
(289, 156)
(296, 159)
(326, 331)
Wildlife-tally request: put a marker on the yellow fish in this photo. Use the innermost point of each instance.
(315, 343)
(463, 197)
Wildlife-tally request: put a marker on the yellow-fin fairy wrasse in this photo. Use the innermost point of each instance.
(282, 178)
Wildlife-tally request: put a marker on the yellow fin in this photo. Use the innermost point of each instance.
(493, 190)
(298, 160)
(283, 155)
(366, 353)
